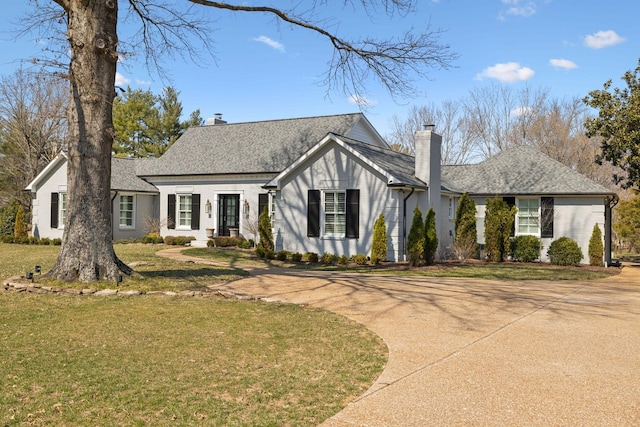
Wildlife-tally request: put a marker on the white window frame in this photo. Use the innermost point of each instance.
(535, 217)
(133, 212)
(62, 210)
(186, 225)
(342, 213)
(452, 209)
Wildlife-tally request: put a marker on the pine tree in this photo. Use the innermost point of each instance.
(465, 227)
(431, 237)
(379, 246)
(596, 248)
(265, 247)
(498, 222)
(415, 241)
(20, 227)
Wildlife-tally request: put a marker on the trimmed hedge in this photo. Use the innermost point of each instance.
(525, 248)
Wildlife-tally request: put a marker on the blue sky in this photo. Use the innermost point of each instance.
(264, 70)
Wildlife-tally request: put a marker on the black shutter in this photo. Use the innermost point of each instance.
(353, 214)
(54, 210)
(195, 212)
(263, 201)
(171, 211)
(546, 213)
(511, 201)
(313, 213)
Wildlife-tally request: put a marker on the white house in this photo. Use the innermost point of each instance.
(325, 180)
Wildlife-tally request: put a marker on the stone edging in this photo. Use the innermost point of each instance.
(13, 285)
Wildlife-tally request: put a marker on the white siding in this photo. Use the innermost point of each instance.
(145, 206)
(54, 182)
(333, 169)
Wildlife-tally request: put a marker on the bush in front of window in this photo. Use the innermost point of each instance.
(328, 258)
(525, 248)
(311, 257)
(596, 248)
(178, 240)
(564, 251)
(297, 257)
(152, 238)
(343, 260)
(360, 259)
(430, 237)
(466, 243)
(379, 245)
(416, 239)
(498, 223)
(282, 255)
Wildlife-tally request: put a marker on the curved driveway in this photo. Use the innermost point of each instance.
(480, 352)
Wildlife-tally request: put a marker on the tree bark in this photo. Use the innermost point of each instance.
(87, 247)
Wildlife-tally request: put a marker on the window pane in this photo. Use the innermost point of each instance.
(184, 211)
(335, 219)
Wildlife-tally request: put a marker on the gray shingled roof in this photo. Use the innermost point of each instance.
(520, 170)
(124, 178)
(254, 147)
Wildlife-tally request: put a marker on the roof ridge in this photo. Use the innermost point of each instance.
(278, 120)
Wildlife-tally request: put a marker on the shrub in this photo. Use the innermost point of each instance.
(297, 257)
(430, 237)
(564, 251)
(227, 241)
(328, 258)
(8, 238)
(178, 240)
(525, 248)
(152, 238)
(596, 248)
(8, 217)
(20, 227)
(360, 259)
(379, 246)
(311, 256)
(282, 255)
(56, 242)
(245, 244)
(265, 244)
(466, 242)
(343, 260)
(415, 241)
(498, 223)
(45, 241)
(169, 240)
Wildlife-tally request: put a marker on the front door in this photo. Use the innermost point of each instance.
(228, 213)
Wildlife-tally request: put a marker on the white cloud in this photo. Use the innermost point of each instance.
(563, 63)
(141, 82)
(517, 8)
(270, 42)
(521, 111)
(603, 39)
(509, 72)
(361, 101)
(121, 80)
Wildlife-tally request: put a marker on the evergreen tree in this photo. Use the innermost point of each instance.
(8, 218)
(465, 227)
(430, 237)
(415, 241)
(379, 246)
(596, 247)
(498, 222)
(265, 247)
(627, 223)
(20, 228)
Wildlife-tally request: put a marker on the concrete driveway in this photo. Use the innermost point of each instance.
(479, 352)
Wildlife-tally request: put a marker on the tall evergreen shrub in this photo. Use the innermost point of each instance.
(379, 246)
(430, 237)
(596, 247)
(265, 246)
(416, 239)
(465, 225)
(20, 228)
(498, 222)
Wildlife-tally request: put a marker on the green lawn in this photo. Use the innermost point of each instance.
(158, 360)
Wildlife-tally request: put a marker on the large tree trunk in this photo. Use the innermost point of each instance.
(87, 248)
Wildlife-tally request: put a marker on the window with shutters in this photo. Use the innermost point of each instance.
(529, 216)
(62, 209)
(184, 211)
(127, 212)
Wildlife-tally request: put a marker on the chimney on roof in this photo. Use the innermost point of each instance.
(428, 146)
(216, 120)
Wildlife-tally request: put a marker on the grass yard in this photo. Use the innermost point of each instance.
(472, 269)
(158, 360)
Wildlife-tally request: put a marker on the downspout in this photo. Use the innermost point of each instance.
(111, 215)
(404, 223)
